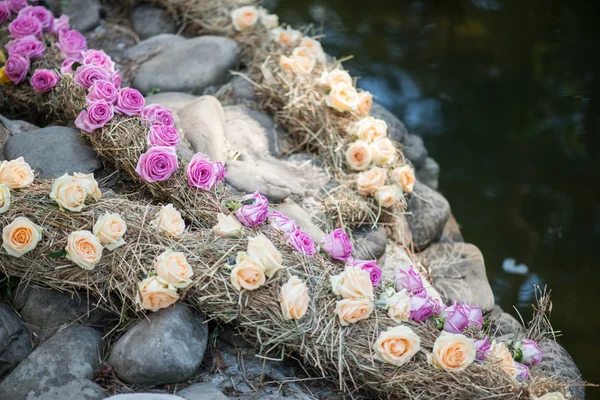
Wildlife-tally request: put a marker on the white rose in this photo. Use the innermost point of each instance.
(173, 269)
(263, 249)
(4, 198)
(398, 306)
(294, 298)
(269, 21)
(384, 151)
(500, 356)
(244, 18)
(286, 37)
(343, 98)
(69, 193)
(334, 78)
(20, 236)
(16, 173)
(405, 177)
(359, 155)
(110, 229)
(369, 129)
(84, 249)
(303, 60)
(365, 104)
(90, 184)
(368, 182)
(153, 295)
(315, 48)
(353, 283)
(227, 226)
(169, 221)
(387, 196)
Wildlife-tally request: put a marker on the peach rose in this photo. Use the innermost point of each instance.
(353, 283)
(286, 37)
(342, 97)
(227, 226)
(263, 250)
(551, 396)
(370, 181)
(244, 18)
(269, 21)
(369, 129)
(388, 195)
(334, 78)
(16, 174)
(294, 298)
(69, 193)
(500, 355)
(397, 345)
(303, 60)
(405, 177)
(359, 155)
(110, 229)
(384, 151)
(315, 48)
(169, 221)
(91, 185)
(350, 311)
(20, 236)
(4, 198)
(248, 272)
(287, 65)
(398, 306)
(84, 249)
(173, 269)
(452, 352)
(365, 103)
(153, 295)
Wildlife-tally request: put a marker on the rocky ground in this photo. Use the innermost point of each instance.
(55, 346)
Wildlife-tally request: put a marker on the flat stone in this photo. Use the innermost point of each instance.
(53, 151)
(147, 396)
(15, 343)
(369, 244)
(429, 173)
(302, 218)
(458, 273)
(153, 44)
(428, 212)
(84, 15)
(451, 232)
(557, 362)
(414, 149)
(149, 21)
(174, 101)
(166, 347)
(202, 391)
(396, 129)
(188, 66)
(60, 368)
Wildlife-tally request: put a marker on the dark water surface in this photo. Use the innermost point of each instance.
(506, 95)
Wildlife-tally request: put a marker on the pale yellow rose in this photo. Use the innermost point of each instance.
(359, 155)
(153, 295)
(169, 221)
(350, 311)
(384, 152)
(227, 226)
(397, 345)
(84, 249)
(315, 48)
(248, 272)
(269, 21)
(551, 396)
(69, 193)
(369, 129)
(16, 173)
(303, 60)
(500, 356)
(286, 37)
(20, 236)
(398, 306)
(110, 229)
(405, 177)
(264, 250)
(368, 182)
(4, 198)
(91, 185)
(342, 97)
(294, 298)
(387, 196)
(288, 65)
(244, 18)
(365, 103)
(173, 269)
(453, 352)
(353, 283)
(334, 78)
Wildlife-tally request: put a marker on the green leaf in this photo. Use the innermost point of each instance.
(154, 91)
(233, 205)
(58, 254)
(249, 201)
(75, 65)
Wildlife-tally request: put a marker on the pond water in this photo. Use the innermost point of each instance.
(506, 95)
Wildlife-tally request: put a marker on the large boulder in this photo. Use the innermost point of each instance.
(557, 362)
(15, 343)
(149, 21)
(84, 15)
(155, 44)
(414, 149)
(202, 122)
(369, 244)
(428, 212)
(429, 173)
(451, 232)
(174, 101)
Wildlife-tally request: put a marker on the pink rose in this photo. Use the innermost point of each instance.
(371, 267)
(409, 280)
(163, 135)
(44, 80)
(456, 318)
(16, 68)
(115, 78)
(4, 12)
(153, 113)
(281, 222)
(25, 26)
(522, 370)
(16, 5)
(98, 58)
(157, 164)
(98, 113)
(201, 172)
(475, 316)
(301, 241)
(86, 75)
(422, 306)
(27, 46)
(483, 348)
(255, 211)
(41, 14)
(67, 65)
(337, 244)
(72, 44)
(102, 90)
(129, 102)
(61, 25)
(532, 353)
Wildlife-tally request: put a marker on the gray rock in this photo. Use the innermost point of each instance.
(174, 101)
(53, 151)
(15, 343)
(414, 149)
(166, 347)
(458, 273)
(503, 323)
(147, 396)
(369, 244)
(302, 218)
(84, 15)
(13, 128)
(396, 129)
(242, 91)
(188, 66)
(399, 230)
(202, 122)
(150, 21)
(153, 44)
(59, 368)
(428, 212)
(202, 391)
(395, 259)
(558, 363)
(429, 173)
(451, 232)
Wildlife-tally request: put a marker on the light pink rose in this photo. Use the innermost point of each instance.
(72, 44)
(27, 46)
(337, 244)
(102, 90)
(202, 173)
(302, 242)
(41, 14)
(98, 58)
(67, 66)
(61, 25)
(44, 80)
(281, 222)
(25, 26)
(154, 113)
(163, 135)
(4, 12)
(16, 5)
(129, 102)
(255, 211)
(16, 68)
(157, 164)
(86, 75)
(97, 114)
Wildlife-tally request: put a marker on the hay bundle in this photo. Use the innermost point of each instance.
(344, 354)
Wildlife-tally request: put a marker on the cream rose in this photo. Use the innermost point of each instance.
(169, 221)
(91, 185)
(84, 249)
(153, 295)
(315, 48)
(334, 78)
(248, 272)
(173, 269)
(294, 298)
(397, 345)
(551, 396)
(365, 103)
(69, 193)
(350, 311)
(370, 181)
(384, 151)
(353, 283)
(4, 198)
(500, 355)
(359, 155)
(244, 18)
(227, 226)
(269, 21)
(303, 60)
(287, 65)
(286, 37)
(110, 229)
(453, 352)
(16, 174)
(369, 129)
(388, 195)
(398, 306)
(405, 177)
(20, 236)
(264, 250)
(342, 97)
